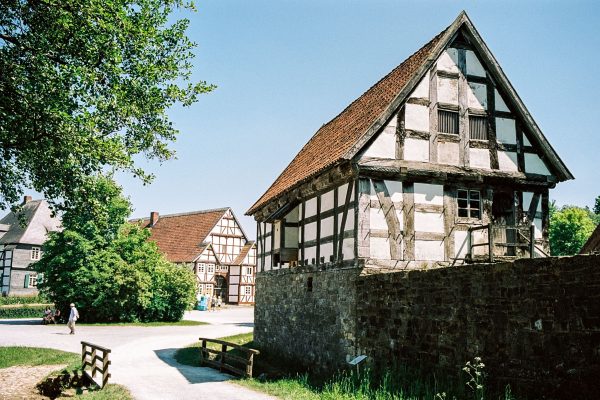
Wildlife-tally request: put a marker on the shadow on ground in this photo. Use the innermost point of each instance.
(192, 374)
(35, 321)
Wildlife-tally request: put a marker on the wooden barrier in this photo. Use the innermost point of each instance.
(90, 358)
(223, 359)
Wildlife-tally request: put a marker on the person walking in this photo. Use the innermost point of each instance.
(72, 318)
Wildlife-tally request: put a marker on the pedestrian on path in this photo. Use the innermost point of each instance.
(74, 316)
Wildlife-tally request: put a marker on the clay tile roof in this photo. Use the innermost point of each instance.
(240, 258)
(334, 139)
(181, 237)
(593, 243)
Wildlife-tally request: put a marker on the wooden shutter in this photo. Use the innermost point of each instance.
(26, 284)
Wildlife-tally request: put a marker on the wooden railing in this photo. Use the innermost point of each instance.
(514, 240)
(223, 359)
(89, 362)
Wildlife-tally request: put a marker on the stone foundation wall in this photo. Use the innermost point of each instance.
(535, 323)
(315, 327)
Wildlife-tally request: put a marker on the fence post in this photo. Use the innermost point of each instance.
(93, 362)
(223, 351)
(203, 352)
(532, 240)
(83, 347)
(491, 242)
(249, 366)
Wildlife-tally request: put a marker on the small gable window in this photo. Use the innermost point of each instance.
(249, 271)
(448, 122)
(469, 203)
(36, 253)
(201, 268)
(478, 127)
(248, 290)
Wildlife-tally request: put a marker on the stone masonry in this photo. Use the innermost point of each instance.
(535, 323)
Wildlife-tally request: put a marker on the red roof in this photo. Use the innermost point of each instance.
(243, 253)
(329, 145)
(181, 237)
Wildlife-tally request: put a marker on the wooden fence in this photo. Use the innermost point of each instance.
(223, 359)
(89, 362)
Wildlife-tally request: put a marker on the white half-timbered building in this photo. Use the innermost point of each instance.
(438, 163)
(213, 244)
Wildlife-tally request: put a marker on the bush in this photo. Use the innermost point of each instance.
(22, 312)
(23, 300)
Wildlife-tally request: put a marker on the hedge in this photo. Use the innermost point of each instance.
(22, 300)
(22, 312)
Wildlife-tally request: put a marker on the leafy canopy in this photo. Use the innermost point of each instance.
(109, 268)
(570, 227)
(84, 88)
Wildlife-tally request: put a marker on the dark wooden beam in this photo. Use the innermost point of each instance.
(391, 218)
(408, 201)
(347, 202)
(463, 109)
(400, 134)
(491, 131)
(433, 114)
(449, 215)
(363, 225)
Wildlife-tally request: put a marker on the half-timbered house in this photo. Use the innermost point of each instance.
(438, 163)
(213, 244)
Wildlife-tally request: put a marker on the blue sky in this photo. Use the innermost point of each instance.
(284, 68)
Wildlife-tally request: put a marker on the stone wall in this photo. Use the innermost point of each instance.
(313, 328)
(535, 323)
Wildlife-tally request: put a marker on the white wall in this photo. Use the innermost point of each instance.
(416, 149)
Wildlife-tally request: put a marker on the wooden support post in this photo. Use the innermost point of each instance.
(433, 115)
(348, 198)
(532, 240)
(408, 210)
(249, 366)
(93, 362)
(470, 243)
(223, 352)
(463, 109)
(490, 231)
(203, 352)
(363, 226)
(391, 218)
(491, 132)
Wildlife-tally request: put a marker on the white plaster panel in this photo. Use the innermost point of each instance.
(384, 145)
(380, 248)
(448, 60)
(268, 228)
(461, 247)
(391, 125)
(349, 221)
(276, 235)
(507, 161)
(479, 158)
(292, 216)
(326, 251)
(537, 222)
(327, 201)
(267, 263)
(422, 89)
(526, 141)
(311, 207)
(310, 253)
(348, 249)
(474, 67)
(429, 250)
(527, 197)
(372, 193)
(416, 149)
(447, 90)
(429, 222)
(499, 102)
(310, 231)
(234, 279)
(342, 191)
(327, 227)
(448, 153)
(506, 131)
(395, 190)
(416, 117)
(377, 219)
(535, 165)
(400, 216)
(268, 244)
(477, 95)
(291, 237)
(427, 193)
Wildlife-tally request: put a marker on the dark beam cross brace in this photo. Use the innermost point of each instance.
(391, 218)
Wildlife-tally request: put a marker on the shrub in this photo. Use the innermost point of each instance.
(23, 300)
(22, 312)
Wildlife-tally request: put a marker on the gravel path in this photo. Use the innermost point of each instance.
(19, 382)
(142, 357)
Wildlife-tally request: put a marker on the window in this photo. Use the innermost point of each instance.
(248, 290)
(448, 122)
(209, 288)
(200, 288)
(35, 253)
(211, 268)
(249, 270)
(31, 280)
(201, 268)
(469, 203)
(478, 128)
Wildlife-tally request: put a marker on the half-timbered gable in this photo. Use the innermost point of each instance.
(209, 242)
(242, 274)
(439, 162)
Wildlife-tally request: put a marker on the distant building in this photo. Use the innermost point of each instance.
(211, 243)
(22, 238)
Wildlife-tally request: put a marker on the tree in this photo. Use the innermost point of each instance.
(109, 268)
(84, 88)
(597, 206)
(570, 227)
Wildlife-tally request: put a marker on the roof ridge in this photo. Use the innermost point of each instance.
(223, 209)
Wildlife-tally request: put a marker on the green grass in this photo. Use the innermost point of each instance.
(147, 324)
(109, 392)
(287, 381)
(33, 356)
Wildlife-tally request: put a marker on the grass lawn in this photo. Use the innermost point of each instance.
(147, 324)
(35, 356)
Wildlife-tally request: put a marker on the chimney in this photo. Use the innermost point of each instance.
(26, 199)
(153, 218)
